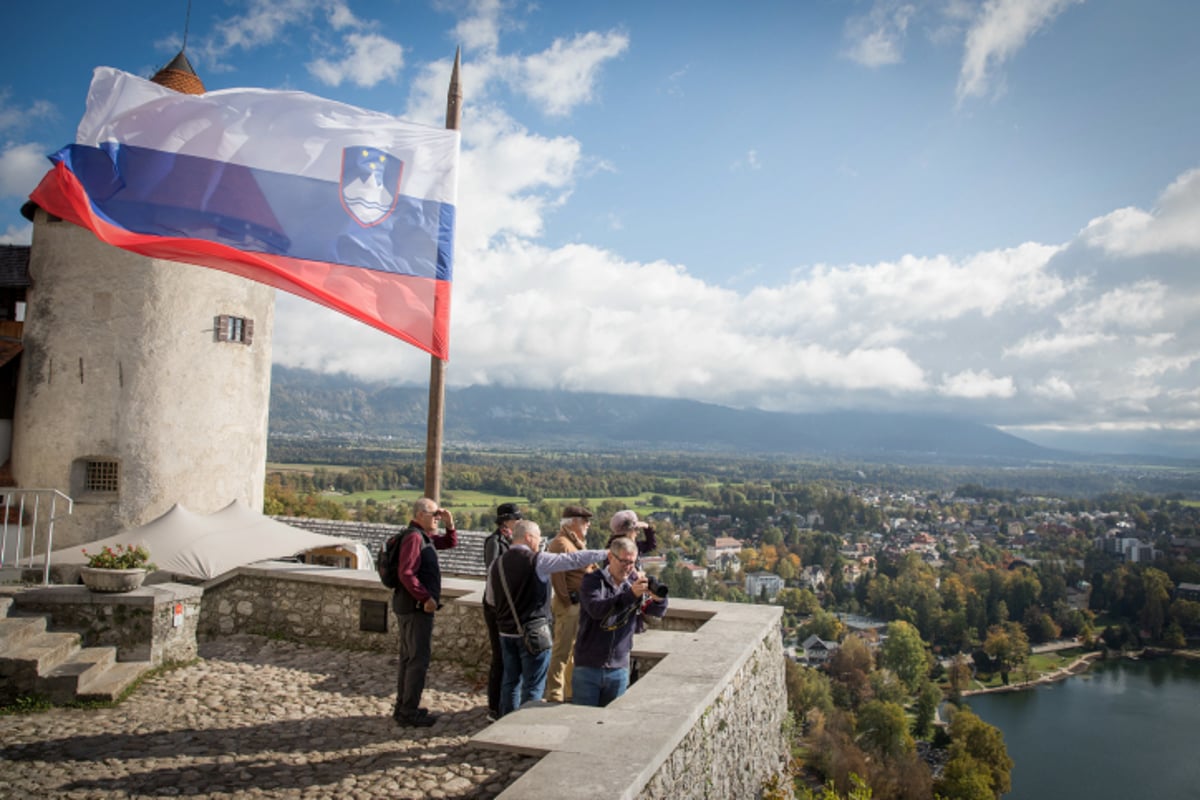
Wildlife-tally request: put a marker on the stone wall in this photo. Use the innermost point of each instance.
(154, 623)
(737, 741)
(324, 606)
(706, 721)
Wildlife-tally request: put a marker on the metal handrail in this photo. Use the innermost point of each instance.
(9, 495)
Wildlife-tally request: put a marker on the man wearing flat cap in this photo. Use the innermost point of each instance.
(494, 546)
(572, 537)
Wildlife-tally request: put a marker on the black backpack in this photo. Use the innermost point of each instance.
(387, 560)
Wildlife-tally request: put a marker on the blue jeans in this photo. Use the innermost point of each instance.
(524, 674)
(594, 686)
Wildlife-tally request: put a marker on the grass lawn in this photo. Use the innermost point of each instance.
(1039, 664)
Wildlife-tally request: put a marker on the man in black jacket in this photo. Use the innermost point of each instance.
(494, 546)
(415, 603)
(523, 574)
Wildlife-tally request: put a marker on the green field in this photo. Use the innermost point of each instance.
(307, 468)
(463, 501)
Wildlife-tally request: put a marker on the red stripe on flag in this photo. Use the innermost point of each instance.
(411, 308)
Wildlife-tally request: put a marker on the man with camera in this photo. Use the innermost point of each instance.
(519, 583)
(415, 602)
(572, 537)
(611, 602)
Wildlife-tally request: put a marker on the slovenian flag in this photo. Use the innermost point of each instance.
(349, 208)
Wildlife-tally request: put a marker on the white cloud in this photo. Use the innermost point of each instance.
(1054, 388)
(1042, 345)
(480, 29)
(565, 75)
(1172, 227)
(1153, 366)
(976, 385)
(17, 234)
(1131, 307)
(1001, 28)
(14, 119)
(674, 82)
(263, 23)
(749, 161)
(876, 39)
(368, 60)
(21, 167)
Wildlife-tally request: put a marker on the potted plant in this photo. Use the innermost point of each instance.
(116, 568)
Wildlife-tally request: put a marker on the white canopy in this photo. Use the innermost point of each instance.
(203, 546)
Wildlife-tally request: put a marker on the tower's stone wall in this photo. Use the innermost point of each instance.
(122, 362)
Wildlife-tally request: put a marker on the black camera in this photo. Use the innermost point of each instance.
(574, 597)
(657, 587)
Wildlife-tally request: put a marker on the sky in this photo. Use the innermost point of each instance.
(984, 209)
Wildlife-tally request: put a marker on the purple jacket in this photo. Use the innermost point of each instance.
(607, 620)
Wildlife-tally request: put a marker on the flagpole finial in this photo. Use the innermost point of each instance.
(454, 95)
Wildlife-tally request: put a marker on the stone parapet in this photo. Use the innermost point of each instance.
(706, 721)
(153, 623)
(334, 608)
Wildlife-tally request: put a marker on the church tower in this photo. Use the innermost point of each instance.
(143, 382)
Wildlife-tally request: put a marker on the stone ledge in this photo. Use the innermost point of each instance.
(452, 588)
(146, 595)
(642, 729)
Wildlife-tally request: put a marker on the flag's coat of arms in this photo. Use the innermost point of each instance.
(370, 184)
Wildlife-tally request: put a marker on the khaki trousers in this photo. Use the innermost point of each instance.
(562, 655)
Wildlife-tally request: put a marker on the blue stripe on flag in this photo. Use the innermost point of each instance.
(166, 194)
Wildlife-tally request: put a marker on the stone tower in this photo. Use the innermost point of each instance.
(143, 382)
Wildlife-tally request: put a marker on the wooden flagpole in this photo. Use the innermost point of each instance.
(437, 367)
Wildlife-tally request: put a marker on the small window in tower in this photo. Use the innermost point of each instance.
(101, 476)
(238, 330)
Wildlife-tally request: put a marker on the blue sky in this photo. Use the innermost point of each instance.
(985, 209)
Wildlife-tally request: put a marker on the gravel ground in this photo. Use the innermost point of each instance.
(261, 718)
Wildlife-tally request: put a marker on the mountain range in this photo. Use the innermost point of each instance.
(305, 403)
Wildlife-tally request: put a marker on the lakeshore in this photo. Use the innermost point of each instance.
(1076, 667)
(1081, 665)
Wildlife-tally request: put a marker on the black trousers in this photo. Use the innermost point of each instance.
(496, 669)
(416, 644)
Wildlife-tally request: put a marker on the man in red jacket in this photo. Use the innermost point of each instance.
(415, 603)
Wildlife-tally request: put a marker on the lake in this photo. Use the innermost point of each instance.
(1125, 729)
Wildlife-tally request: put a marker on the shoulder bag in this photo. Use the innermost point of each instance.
(538, 635)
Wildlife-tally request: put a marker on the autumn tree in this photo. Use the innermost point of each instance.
(1156, 591)
(883, 729)
(904, 653)
(849, 669)
(978, 758)
(929, 697)
(1007, 646)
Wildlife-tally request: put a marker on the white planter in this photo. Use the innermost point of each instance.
(112, 580)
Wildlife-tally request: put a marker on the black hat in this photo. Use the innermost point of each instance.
(507, 511)
(576, 511)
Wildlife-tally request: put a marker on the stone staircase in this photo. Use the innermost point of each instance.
(56, 665)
